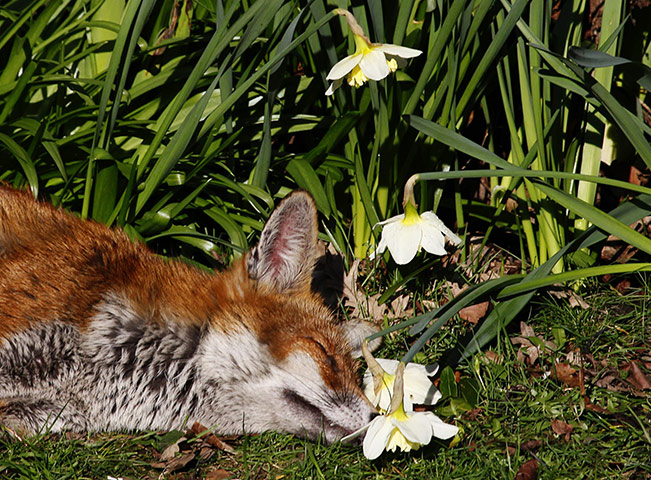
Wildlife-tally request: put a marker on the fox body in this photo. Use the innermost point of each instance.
(98, 333)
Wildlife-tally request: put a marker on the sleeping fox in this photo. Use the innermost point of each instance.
(97, 333)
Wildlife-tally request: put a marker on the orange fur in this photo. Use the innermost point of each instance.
(86, 260)
(105, 334)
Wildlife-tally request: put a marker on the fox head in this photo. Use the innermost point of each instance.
(302, 374)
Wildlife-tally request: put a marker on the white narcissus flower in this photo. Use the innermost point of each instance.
(371, 61)
(405, 234)
(417, 386)
(404, 430)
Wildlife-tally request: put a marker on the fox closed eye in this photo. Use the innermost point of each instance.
(98, 333)
(329, 359)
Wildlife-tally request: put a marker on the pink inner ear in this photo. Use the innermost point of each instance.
(286, 247)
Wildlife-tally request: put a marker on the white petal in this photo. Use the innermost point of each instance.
(369, 387)
(374, 65)
(376, 438)
(433, 240)
(416, 368)
(379, 250)
(403, 241)
(343, 67)
(431, 218)
(388, 365)
(398, 51)
(419, 389)
(416, 428)
(355, 434)
(393, 219)
(444, 430)
(384, 398)
(334, 86)
(440, 429)
(381, 399)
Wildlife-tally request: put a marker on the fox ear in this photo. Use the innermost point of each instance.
(284, 257)
(356, 332)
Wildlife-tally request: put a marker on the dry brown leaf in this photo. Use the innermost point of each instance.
(526, 330)
(364, 306)
(531, 445)
(572, 297)
(474, 313)
(473, 414)
(205, 453)
(211, 439)
(174, 464)
(595, 408)
(171, 451)
(565, 373)
(218, 474)
(493, 357)
(637, 377)
(528, 470)
(399, 307)
(607, 382)
(562, 429)
(574, 357)
(528, 348)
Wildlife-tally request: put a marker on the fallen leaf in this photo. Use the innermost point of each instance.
(218, 474)
(474, 313)
(623, 285)
(211, 439)
(572, 297)
(531, 445)
(205, 453)
(493, 357)
(364, 306)
(562, 429)
(637, 378)
(528, 470)
(565, 373)
(526, 330)
(574, 357)
(171, 451)
(595, 408)
(473, 414)
(399, 307)
(177, 463)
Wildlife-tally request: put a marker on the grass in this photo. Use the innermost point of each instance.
(517, 413)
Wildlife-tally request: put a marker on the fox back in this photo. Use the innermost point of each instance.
(99, 333)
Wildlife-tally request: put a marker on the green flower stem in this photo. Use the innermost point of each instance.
(596, 124)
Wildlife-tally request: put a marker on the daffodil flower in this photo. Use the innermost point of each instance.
(404, 430)
(417, 386)
(406, 234)
(371, 61)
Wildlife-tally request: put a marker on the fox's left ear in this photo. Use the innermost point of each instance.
(356, 332)
(284, 257)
